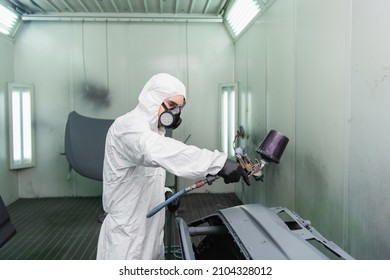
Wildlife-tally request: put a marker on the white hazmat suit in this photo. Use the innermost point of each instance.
(137, 156)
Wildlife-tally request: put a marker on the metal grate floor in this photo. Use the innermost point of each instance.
(68, 228)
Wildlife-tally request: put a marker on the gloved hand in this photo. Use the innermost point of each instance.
(174, 205)
(232, 171)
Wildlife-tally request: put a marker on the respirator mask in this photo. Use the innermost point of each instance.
(170, 118)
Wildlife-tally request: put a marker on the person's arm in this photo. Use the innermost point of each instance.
(183, 160)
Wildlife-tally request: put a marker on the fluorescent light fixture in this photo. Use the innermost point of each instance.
(241, 13)
(228, 115)
(9, 21)
(21, 117)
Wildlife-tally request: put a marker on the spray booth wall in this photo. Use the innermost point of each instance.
(322, 68)
(99, 69)
(8, 185)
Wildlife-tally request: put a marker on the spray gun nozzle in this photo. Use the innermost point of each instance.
(258, 172)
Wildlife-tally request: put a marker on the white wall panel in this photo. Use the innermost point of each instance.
(250, 73)
(43, 55)
(241, 77)
(281, 99)
(369, 192)
(321, 82)
(256, 102)
(8, 185)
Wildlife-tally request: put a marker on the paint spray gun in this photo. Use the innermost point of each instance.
(270, 149)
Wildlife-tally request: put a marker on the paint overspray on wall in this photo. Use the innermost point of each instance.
(95, 94)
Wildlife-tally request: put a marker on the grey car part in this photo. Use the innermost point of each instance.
(255, 232)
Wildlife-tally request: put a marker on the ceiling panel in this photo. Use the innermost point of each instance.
(168, 7)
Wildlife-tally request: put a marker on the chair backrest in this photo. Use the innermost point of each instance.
(85, 140)
(7, 229)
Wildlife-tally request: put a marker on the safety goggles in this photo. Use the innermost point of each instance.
(171, 105)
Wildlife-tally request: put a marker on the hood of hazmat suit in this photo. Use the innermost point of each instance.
(137, 156)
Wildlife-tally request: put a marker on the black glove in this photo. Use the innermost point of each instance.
(232, 171)
(174, 205)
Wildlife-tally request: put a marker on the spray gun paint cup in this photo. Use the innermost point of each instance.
(272, 147)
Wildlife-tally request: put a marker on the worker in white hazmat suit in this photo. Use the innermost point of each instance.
(137, 156)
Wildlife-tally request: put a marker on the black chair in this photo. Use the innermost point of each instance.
(7, 229)
(85, 140)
